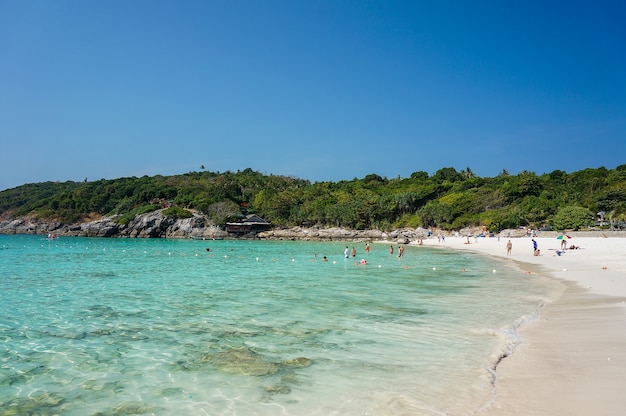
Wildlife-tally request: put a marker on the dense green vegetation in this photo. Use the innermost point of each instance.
(448, 199)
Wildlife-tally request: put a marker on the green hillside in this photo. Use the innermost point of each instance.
(449, 199)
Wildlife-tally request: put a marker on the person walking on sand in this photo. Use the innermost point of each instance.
(509, 246)
(535, 248)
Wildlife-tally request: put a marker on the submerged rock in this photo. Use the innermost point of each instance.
(278, 389)
(242, 361)
(247, 362)
(299, 362)
(134, 408)
(37, 403)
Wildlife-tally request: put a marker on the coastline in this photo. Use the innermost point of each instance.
(572, 359)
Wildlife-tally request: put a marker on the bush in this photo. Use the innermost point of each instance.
(176, 212)
(406, 221)
(573, 217)
(129, 216)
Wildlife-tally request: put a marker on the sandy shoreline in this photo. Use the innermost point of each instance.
(572, 360)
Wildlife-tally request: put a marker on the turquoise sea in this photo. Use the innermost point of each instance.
(164, 327)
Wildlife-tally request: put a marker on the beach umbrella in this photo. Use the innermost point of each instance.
(563, 236)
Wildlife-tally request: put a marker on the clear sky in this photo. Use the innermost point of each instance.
(320, 90)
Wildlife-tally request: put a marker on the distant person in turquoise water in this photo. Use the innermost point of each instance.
(367, 247)
(144, 268)
(353, 252)
(391, 250)
(346, 252)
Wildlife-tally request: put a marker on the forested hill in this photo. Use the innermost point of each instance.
(448, 199)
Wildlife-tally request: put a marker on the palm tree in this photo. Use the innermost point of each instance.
(468, 173)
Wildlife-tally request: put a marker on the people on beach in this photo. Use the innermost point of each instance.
(400, 251)
(509, 246)
(536, 250)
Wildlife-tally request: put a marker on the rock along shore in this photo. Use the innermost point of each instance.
(150, 225)
(157, 225)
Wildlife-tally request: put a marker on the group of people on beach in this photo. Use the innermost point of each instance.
(347, 253)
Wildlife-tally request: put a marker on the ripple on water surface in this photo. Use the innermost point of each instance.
(123, 326)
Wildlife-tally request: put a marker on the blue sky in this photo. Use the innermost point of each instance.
(320, 90)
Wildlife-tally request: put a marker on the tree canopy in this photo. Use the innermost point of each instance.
(449, 199)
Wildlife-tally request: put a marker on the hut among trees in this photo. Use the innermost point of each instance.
(251, 223)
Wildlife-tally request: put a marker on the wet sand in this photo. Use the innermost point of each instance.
(572, 359)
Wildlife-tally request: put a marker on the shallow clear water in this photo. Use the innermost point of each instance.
(164, 327)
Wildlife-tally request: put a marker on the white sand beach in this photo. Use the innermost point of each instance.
(572, 360)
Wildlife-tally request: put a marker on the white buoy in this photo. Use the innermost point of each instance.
(564, 270)
(379, 266)
(434, 268)
(493, 271)
(257, 259)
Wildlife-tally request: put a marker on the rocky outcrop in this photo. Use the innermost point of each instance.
(402, 236)
(28, 225)
(157, 225)
(150, 225)
(100, 228)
